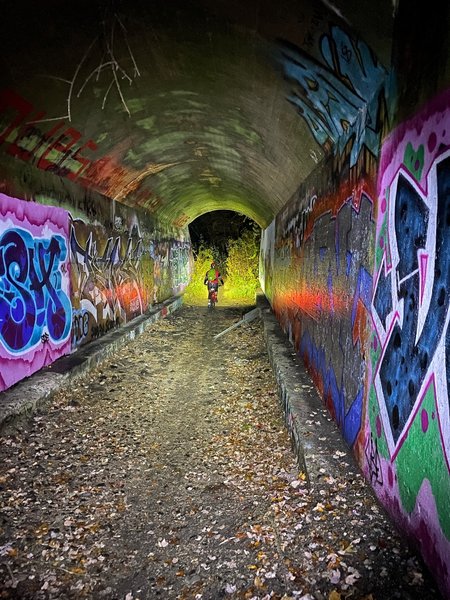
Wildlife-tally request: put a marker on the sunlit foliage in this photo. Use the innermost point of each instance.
(242, 265)
(196, 290)
(239, 269)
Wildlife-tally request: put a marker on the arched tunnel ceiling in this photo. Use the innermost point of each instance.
(182, 107)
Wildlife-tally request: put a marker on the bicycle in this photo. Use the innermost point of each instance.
(212, 293)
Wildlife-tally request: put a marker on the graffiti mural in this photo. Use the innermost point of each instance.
(107, 282)
(119, 272)
(179, 266)
(339, 96)
(359, 277)
(35, 307)
(53, 145)
(408, 413)
(323, 292)
(65, 281)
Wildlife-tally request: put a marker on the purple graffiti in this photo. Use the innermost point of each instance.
(32, 303)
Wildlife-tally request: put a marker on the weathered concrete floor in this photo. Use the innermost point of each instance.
(167, 473)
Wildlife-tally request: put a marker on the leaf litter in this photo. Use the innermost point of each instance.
(167, 472)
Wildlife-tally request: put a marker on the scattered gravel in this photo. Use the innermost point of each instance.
(168, 473)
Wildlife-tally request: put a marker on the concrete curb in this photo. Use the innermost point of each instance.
(26, 396)
(316, 439)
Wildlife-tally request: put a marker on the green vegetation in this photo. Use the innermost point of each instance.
(239, 269)
(196, 290)
(242, 265)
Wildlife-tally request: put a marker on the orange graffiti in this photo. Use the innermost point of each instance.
(315, 301)
(360, 324)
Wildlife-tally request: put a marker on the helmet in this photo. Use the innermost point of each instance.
(213, 264)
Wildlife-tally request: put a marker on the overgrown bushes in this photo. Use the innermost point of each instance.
(239, 269)
(242, 265)
(196, 289)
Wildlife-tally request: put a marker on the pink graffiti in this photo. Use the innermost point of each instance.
(41, 222)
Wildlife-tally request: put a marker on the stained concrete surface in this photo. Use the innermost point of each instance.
(167, 472)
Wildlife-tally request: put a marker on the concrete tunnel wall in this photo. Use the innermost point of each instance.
(357, 269)
(72, 270)
(355, 264)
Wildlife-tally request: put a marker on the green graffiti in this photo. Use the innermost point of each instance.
(414, 160)
(381, 243)
(374, 413)
(421, 457)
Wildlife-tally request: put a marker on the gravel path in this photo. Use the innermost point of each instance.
(167, 473)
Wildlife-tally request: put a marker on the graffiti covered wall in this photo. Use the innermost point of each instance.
(35, 306)
(357, 268)
(120, 267)
(53, 145)
(321, 290)
(316, 258)
(407, 422)
(358, 275)
(341, 96)
(118, 273)
(67, 278)
(107, 274)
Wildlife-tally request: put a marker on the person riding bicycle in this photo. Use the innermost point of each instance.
(212, 278)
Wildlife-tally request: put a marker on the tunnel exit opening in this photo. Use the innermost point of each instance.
(231, 240)
(216, 228)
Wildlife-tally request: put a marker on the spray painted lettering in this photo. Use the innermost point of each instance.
(412, 342)
(179, 264)
(35, 306)
(340, 99)
(32, 302)
(408, 404)
(419, 277)
(373, 461)
(61, 149)
(319, 272)
(107, 283)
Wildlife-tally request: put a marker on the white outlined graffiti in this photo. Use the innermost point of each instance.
(411, 304)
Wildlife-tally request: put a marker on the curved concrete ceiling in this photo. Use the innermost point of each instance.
(183, 107)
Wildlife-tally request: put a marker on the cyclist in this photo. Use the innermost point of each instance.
(212, 278)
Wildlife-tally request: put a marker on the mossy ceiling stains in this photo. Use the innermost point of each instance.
(177, 107)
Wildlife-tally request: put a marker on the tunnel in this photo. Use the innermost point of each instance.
(325, 122)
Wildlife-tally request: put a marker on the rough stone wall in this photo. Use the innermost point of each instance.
(67, 277)
(357, 269)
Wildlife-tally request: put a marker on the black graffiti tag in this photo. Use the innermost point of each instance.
(373, 461)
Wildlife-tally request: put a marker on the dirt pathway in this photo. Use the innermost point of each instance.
(167, 473)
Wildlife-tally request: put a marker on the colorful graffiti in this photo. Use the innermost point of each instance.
(408, 413)
(35, 307)
(107, 284)
(65, 281)
(50, 146)
(55, 146)
(362, 290)
(322, 296)
(118, 274)
(179, 265)
(340, 97)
